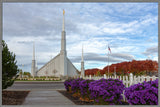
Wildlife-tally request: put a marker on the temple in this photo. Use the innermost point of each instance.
(60, 65)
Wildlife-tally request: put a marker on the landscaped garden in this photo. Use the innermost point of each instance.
(42, 78)
(109, 92)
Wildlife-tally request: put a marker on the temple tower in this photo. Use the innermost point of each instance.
(82, 65)
(33, 69)
(60, 65)
(63, 53)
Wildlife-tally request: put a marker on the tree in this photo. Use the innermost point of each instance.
(9, 67)
(28, 74)
(98, 73)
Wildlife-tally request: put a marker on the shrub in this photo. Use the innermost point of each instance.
(67, 84)
(84, 87)
(75, 85)
(106, 91)
(145, 93)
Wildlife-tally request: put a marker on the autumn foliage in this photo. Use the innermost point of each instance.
(123, 68)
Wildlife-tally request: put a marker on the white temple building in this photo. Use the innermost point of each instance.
(60, 65)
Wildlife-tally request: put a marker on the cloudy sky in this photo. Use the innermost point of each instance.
(130, 29)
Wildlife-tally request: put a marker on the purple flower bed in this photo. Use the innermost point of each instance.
(106, 91)
(84, 87)
(145, 93)
(75, 85)
(67, 84)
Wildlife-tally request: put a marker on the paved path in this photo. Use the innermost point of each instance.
(37, 85)
(46, 98)
(42, 92)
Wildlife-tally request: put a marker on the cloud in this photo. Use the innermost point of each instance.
(25, 42)
(117, 27)
(151, 51)
(155, 58)
(123, 56)
(116, 57)
(123, 25)
(27, 22)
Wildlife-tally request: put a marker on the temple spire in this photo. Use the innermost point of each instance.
(82, 65)
(33, 68)
(63, 39)
(63, 25)
(33, 51)
(82, 54)
(63, 53)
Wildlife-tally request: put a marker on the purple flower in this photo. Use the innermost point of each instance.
(67, 83)
(75, 85)
(97, 100)
(84, 86)
(107, 90)
(145, 93)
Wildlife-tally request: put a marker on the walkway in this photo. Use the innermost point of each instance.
(37, 85)
(46, 97)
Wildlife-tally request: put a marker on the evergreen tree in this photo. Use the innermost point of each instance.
(9, 67)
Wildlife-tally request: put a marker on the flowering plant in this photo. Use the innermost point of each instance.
(106, 91)
(145, 93)
(67, 84)
(84, 89)
(75, 85)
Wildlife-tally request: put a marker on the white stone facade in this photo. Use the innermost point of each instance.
(53, 68)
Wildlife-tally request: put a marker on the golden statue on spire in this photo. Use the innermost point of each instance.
(63, 12)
